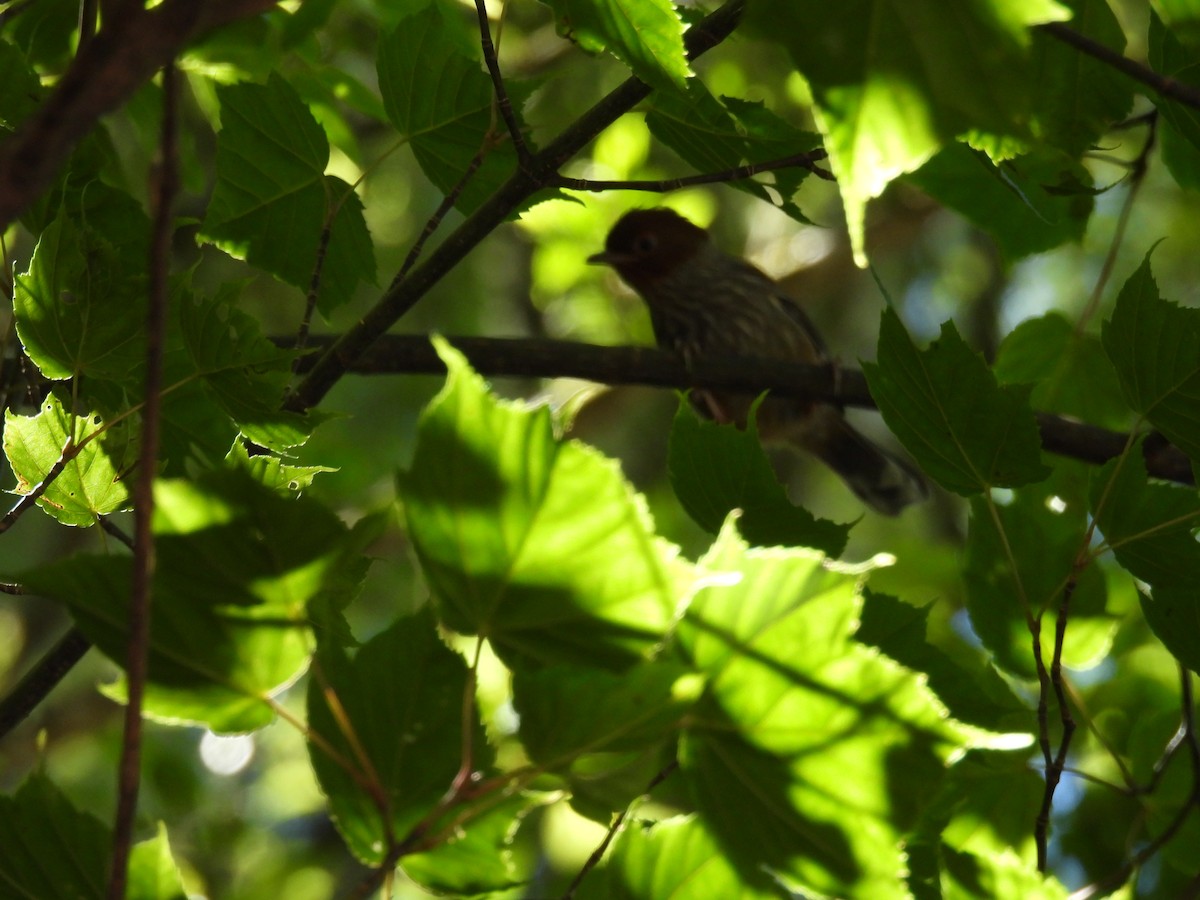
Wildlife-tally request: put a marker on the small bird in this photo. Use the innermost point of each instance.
(705, 303)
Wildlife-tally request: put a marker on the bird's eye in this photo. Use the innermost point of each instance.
(645, 243)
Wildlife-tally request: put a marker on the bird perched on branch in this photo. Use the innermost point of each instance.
(705, 303)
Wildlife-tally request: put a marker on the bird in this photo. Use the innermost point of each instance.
(706, 303)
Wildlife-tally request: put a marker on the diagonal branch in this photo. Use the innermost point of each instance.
(1161, 84)
(807, 160)
(114, 64)
(396, 354)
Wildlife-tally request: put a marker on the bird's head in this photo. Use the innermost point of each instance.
(650, 244)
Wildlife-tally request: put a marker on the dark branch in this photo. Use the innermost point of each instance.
(42, 679)
(805, 160)
(395, 354)
(1161, 84)
(502, 101)
(165, 184)
(122, 57)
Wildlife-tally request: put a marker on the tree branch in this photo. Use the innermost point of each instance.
(40, 680)
(805, 160)
(395, 354)
(123, 56)
(165, 183)
(1161, 84)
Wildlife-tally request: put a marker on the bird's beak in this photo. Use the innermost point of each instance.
(607, 258)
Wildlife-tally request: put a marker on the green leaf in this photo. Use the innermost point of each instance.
(92, 483)
(943, 404)
(1001, 874)
(678, 858)
(1001, 789)
(895, 80)
(272, 196)
(444, 110)
(273, 472)
(1148, 526)
(713, 135)
(517, 534)
(39, 829)
(811, 754)
(1173, 613)
(646, 35)
(80, 306)
(1180, 123)
(244, 373)
(1155, 347)
(567, 712)
(479, 859)
(976, 695)
(236, 565)
(717, 468)
(1078, 96)
(22, 88)
(1019, 559)
(1069, 370)
(153, 873)
(1019, 202)
(397, 728)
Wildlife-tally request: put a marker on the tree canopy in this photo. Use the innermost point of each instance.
(362, 545)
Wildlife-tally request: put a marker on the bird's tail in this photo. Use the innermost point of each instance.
(880, 479)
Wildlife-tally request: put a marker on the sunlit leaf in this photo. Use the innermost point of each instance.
(677, 858)
(236, 566)
(894, 80)
(646, 35)
(93, 482)
(810, 753)
(519, 534)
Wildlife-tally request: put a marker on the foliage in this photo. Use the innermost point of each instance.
(475, 644)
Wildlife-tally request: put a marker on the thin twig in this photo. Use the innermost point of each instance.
(314, 283)
(40, 680)
(111, 528)
(138, 655)
(1055, 766)
(502, 100)
(806, 160)
(1137, 175)
(447, 204)
(1190, 804)
(613, 829)
(69, 451)
(1161, 84)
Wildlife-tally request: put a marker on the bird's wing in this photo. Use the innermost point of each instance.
(792, 310)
